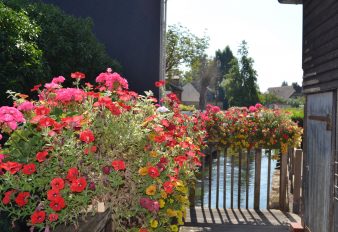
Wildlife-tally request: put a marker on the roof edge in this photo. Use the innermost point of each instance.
(291, 1)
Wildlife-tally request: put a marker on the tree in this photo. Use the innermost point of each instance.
(270, 98)
(285, 83)
(249, 75)
(240, 84)
(182, 48)
(223, 58)
(20, 56)
(67, 43)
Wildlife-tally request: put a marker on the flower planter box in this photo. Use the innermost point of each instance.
(100, 222)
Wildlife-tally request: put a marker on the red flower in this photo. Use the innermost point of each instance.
(143, 230)
(153, 172)
(57, 204)
(168, 187)
(73, 173)
(78, 75)
(41, 156)
(41, 110)
(22, 198)
(92, 149)
(57, 183)
(53, 217)
(87, 136)
(53, 194)
(78, 185)
(38, 217)
(36, 88)
(29, 169)
(118, 165)
(12, 167)
(46, 122)
(159, 83)
(7, 197)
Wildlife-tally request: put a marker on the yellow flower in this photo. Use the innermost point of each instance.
(162, 203)
(151, 190)
(143, 171)
(153, 223)
(164, 195)
(171, 213)
(174, 228)
(153, 154)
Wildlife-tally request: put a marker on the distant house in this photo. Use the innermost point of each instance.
(190, 95)
(284, 92)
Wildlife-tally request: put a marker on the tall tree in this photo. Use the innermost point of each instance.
(240, 84)
(223, 58)
(249, 75)
(285, 83)
(182, 48)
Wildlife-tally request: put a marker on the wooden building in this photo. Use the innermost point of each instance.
(320, 85)
(132, 32)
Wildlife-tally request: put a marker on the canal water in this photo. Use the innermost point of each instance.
(263, 188)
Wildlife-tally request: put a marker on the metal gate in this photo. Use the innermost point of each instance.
(318, 162)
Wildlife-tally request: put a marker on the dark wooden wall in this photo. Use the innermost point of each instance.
(320, 45)
(131, 32)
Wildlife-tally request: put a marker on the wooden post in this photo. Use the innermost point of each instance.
(283, 183)
(239, 178)
(232, 181)
(298, 180)
(269, 180)
(247, 178)
(225, 178)
(258, 156)
(210, 178)
(218, 177)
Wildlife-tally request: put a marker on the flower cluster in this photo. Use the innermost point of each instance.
(76, 147)
(253, 127)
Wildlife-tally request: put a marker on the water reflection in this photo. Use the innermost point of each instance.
(263, 188)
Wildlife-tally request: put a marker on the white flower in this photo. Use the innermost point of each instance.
(162, 109)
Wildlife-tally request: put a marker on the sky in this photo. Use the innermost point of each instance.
(272, 30)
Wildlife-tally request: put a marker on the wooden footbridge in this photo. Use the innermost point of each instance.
(230, 195)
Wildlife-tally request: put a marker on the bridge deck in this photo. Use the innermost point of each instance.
(237, 220)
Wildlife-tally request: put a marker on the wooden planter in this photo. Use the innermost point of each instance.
(100, 222)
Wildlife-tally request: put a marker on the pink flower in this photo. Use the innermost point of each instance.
(69, 94)
(112, 80)
(2, 157)
(78, 75)
(11, 116)
(258, 105)
(52, 85)
(0, 136)
(58, 80)
(26, 106)
(252, 109)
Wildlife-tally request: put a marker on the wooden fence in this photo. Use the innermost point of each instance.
(290, 175)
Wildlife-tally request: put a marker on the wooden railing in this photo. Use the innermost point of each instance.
(240, 164)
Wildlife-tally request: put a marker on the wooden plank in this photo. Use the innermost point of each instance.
(283, 183)
(318, 198)
(218, 177)
(232, 180)
(247, 178)
(297, 180)
(269, 181)
(202, 180)
(225, 177)
(239, 178)
(210, 179)
(258, 157)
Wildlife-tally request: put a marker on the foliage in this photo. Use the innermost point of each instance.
(296, 114)
(271, 98)
(76, 147)
(182, 48)
(253, 127)
(296, 102)
(223, 58)
(55, 44)
(240, 83)
(20, 56)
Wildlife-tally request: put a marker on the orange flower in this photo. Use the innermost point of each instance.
(151, 190)
(143, 171)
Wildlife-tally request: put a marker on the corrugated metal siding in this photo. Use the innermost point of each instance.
(318, 167)
(320, 45)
